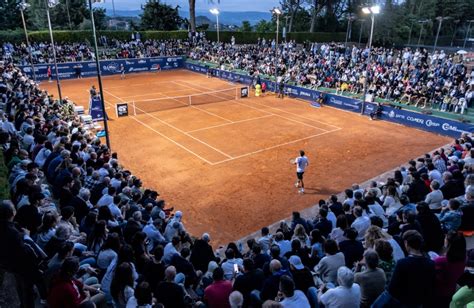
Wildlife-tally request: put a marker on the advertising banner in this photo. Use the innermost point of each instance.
(122, 109)
(405, 117)
(108, 67)
(95, 109)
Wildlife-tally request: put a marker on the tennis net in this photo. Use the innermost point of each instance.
(160, 104)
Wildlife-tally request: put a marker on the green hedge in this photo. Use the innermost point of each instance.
(225, 36)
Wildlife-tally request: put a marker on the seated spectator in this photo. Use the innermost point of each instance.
(372, 280)
(289, 297)
(327, 267)
(322, 223)
(236, 300)
(228, 264)
(449, 268)
(251, 279)
(352, 249)
(285, 245)
(122, 287)
(375, 233)
(142, 297)
(217, 294)
(361, 222)
(337, 233)
(168, 293)
(435, 197)
(347, 294)
(202, 253)
(450, 216)
(271, 284)
(412, 282)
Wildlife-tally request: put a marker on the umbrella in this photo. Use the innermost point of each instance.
(461, 52)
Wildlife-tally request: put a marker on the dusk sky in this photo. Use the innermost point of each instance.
(202, 5)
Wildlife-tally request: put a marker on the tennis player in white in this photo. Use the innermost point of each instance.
(301, 163)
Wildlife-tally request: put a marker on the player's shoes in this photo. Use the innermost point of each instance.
(301, 191)
(297, 184)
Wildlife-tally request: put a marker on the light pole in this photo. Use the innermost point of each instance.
(467, 32)
(216, 12)
(440, 19)
(277, 12)
(372, 10)
(23, 6)
(53, 3)
(99, 76)
(421, 22)
(362, 22)
(350, 19)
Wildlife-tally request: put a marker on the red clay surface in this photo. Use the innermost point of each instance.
(226, 165)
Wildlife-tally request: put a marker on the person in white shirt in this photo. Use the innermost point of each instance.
(170, 250)
(228, 266)
(108, 198)
(435, 174)
(301, 163)
(361, 223)
(285, 245)
(152, 231)
(115, 209)
(289, 297)
(347, 294)
(435, 197)
(266, 240)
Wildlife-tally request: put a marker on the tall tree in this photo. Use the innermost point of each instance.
(192, 15)
(246, 27)
(9, 15)
(160, 16)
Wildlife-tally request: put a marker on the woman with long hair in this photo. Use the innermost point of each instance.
(300, 235)
(97, 236)
(375, 233)
(449, 268)
(47, 229)
(391, 200)
(108, 252)
(122, 285)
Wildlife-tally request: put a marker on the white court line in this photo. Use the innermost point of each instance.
(273, 147)
(178, 129)
(226, 124)
(171, 140)
(277, 115)
(295, 114)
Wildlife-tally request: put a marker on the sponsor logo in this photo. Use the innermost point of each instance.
(430, 123)
(303, 93)
(335, 101)
(27, 69)
(141, 61)
(173, 59)
(391, 114)
(91, 65)
(139, 69)
(449, 127)
(112, 67)
(155, 67)
(416, 120)
(131, 69)
(129, 63)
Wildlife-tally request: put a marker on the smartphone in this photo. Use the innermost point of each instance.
(236, 268)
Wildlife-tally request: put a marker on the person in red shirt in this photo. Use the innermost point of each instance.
(217, 294)
(68, 292)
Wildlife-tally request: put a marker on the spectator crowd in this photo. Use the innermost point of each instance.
(414, 77)
(81, 231)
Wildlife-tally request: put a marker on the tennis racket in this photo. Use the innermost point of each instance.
(293, 161)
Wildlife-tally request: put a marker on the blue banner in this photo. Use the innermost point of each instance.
(95, 109)
(108, 67)
(405, 117)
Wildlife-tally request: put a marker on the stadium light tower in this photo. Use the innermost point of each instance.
(22, 6)
(216, 13)
(440, 19)
(372, 10)
(350, 19)
(467, 32)
(277, 12)
(421, 22)
(51, 4)
(99, 76)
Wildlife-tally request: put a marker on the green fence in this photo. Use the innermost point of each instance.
(17, 36)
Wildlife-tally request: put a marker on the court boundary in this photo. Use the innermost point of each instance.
(229, 122)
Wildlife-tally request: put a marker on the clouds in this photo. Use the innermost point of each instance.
(201, 5)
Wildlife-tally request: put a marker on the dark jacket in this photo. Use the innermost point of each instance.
(417, 191)
(249, 281)
(431, 231)
(201, 255)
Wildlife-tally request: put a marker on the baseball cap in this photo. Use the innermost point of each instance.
(296, 262)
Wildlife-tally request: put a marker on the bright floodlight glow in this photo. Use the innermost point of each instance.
(365, 10)
(375, 9)
(214, 11)
(277, 11)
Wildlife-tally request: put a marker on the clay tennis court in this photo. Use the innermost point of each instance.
(226, 164)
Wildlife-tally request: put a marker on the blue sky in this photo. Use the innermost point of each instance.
(202, 5)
